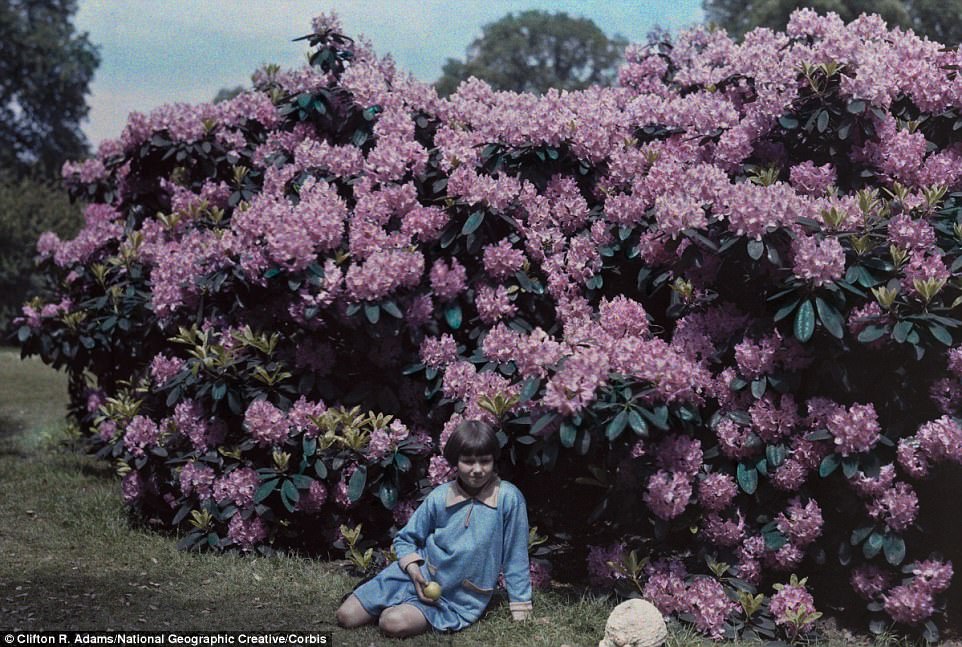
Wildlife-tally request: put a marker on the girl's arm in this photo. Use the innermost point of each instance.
(413, 536)
(517, 573)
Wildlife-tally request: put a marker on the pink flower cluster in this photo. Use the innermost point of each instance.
(266, 424)
(703, 597)
(790, 601)
(385, 440)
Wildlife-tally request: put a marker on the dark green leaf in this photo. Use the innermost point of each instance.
(758, 387)
(388, 495)
(355, 486)
(829, 464)
(775, 454)
(320, 469)
(872, 545)
(786, 309)
(774, 540)
(901, 331)
(568, 434)
(804, 322)
(830, 318)
(543, 422)
(658, 417)
(403, 462)
(872, 333)
(756, 249)
(617, 425)
(747, 477)
(850, 466)
(391, 308)
(265, 489)
(788, 122)
(530, 388)
(472, 223)
(822, 122)
(941, 334)
(931, 633)
(894, 547)
(637, 423)
(861, 534)
(452, 314)
(856, 106)
(372, 312)
(289, 491)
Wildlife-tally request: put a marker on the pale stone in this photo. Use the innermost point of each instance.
(635, 623)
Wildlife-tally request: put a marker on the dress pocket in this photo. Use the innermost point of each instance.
(471, 586)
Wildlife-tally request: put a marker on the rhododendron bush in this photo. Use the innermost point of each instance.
(711, 310)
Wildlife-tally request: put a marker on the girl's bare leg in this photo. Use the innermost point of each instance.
(351, 614)
(402, 620)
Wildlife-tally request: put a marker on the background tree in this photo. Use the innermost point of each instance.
(937, 19)
(45, 73)
(226, 94)
(534, 51)
(28, 207)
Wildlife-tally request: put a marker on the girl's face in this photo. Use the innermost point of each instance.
(476, 471)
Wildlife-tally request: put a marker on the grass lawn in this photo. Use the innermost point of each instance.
(71, 558)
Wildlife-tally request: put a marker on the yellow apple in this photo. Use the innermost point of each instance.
(432, 590)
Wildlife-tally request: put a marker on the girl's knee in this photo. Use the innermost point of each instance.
(396, 623)
(351, 614)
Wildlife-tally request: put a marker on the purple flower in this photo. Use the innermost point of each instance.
(447, 280)
(790, 601)
(666, 587)
(132, 488)
(667, 494)
(246, 533)
(801, 524)
(403, 511)
(494, 304)
(932, 576)
(501, 260)
(237, 487)
(869, 581)
(897, 507)
(707, 602)
(724, 532)
(266, 423)
(716, 491)
(855, 430)
(384, 441)
(313, 500)
(300, 414)
(818, 261)
(197, 479)
(439, 470)
(680, 454)
(163, 368)
(909, 603)
(142, 433)
(810, 179)
(599, 572)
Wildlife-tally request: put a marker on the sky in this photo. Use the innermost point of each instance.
(165, 51)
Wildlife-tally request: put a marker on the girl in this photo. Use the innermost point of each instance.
(461, 536)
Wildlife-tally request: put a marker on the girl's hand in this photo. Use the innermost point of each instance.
(419, 583)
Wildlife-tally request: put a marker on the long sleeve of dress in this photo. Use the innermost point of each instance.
(517, 574)
(412, 537)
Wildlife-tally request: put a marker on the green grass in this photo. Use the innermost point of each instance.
(72, 558)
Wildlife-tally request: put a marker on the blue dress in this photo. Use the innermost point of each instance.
(462, 543)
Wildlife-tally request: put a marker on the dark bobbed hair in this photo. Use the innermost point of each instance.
(471, 438)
